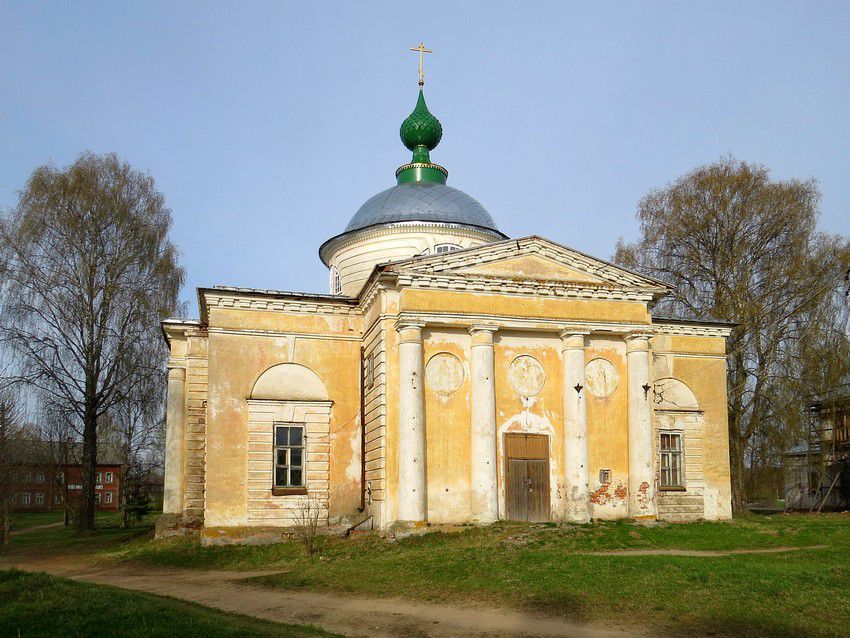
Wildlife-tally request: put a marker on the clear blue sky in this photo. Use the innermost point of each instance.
(266, 125)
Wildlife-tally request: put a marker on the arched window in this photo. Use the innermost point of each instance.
(445, 248)
(335, 282)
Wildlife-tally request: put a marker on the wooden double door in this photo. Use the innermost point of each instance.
(527, 477)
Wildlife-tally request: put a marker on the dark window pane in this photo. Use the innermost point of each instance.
(295, 477)
(280, 476)
(280, 437)
(295, 436)
(295, 456)
(281, 457)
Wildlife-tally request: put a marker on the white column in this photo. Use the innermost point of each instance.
(576, 473)
(485, 497)
(641, 465)
(412, 489)
(175, 423)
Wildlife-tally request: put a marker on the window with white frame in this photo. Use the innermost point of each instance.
(107, 497)
(97, 497)
(335, 281)
(25, 498)
(671, 461)
(289, 455)
(39, 477)
(99, 478)
(445, 248)
(39, 498)
(109, 477)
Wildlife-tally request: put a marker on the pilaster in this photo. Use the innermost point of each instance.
(641, 466)
(576, 476)
(412, 487)
(485, 500)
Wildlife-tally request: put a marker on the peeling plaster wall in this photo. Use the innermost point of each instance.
(539, 414)
(236, 360)
(608, 433)
(698, 362)
(447, 430)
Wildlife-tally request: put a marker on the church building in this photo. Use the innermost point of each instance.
(450, 375)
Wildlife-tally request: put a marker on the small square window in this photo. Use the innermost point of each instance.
(604, 477)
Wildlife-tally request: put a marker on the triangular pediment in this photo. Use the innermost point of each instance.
(529, 259)
(531, 267)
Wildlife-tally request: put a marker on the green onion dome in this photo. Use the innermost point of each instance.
(421, 128)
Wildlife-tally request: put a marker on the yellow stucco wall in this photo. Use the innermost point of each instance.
(235, 363)
(447, 418)
(244, 341)
(608, 433)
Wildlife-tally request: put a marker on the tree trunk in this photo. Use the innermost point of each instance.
(85, 518)
(737, 445)
(5, 523)
(122, 491)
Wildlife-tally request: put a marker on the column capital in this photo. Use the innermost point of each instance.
(413, 328)
(482, 334)
(573, 337)
(482, 327)
(176, 372)
(638, 341)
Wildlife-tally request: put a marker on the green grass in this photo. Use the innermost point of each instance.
(26, 520)
(42, 605)
(51, 540)
(540, 567)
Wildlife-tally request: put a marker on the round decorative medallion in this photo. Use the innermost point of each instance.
(601, 377)
(526, 375)
(444, 373)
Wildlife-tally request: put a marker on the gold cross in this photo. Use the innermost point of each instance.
(422, 51)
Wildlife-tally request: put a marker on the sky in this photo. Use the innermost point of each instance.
(267, 124)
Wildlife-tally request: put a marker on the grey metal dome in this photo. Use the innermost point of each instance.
(422, 202)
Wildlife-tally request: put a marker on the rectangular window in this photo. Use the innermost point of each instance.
(25, 498)
(109, 477)
(99, 478)
(39, 498)
(107, 497)
(289, 456)
(97, 497)
(39, 477)
(57, 499)
(670, 450)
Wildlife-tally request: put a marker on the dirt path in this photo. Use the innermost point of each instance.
(350, 616)
(35, 527)
(701, 552)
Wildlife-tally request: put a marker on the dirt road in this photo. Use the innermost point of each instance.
(347, 615)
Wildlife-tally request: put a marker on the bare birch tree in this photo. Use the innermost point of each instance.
(87, 271)
(742, 248)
